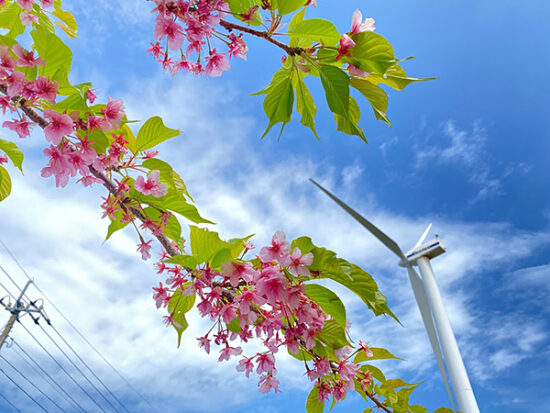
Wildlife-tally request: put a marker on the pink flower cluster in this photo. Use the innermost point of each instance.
(263, 299)
(193, 22)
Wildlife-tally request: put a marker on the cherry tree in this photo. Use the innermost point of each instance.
(266, 294)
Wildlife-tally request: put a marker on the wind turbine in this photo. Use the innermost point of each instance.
(430, 305)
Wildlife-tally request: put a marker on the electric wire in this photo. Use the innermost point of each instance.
(79, 333)
(60, 366)
(10, 403)
(8, 291)
(11, 279)
(58, 387)
(77, 368)
(31, 383)
(23, 390)
(88, 367)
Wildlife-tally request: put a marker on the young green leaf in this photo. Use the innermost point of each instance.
(396, 78)
(328, 301)
(333, 335)
(153, 132)
(289, 6)
(313, 405)
(372, 52)
(377, 354)
(349, 124)
(336, 85)
(57, 55)
(9, 19)
(318, 30)
(278, 104)
(5, 183)
(375, 95)
(304, 102)
(13, 152)
(115, 224)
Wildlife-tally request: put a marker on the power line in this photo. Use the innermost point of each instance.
(79, 333)
(59, 364)
(78, 368)
(10, 403)
(31, 383)
(88, 367)
(11, 279)
(23, 390)
(8, 291)
(59, 389)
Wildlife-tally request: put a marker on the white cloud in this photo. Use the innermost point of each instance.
(468, 151)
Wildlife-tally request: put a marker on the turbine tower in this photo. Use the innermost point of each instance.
(430, 305)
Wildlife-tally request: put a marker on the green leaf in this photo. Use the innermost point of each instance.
(443, 410)
(180, 304)
(328, 301)
(336, 85)
(206, 244)
(10, 20)
(333, 335)
(278, 104)
(115, 224)
(375, 95)
(57, 55)
(235, 325)
(244, 6)
(153, 132)
(5, 183)
(13, 152)
(377, 354)
(304, 102)
(174, 202)
(349, 124)
(372, 52)
(68, 22)
(304, 244)
(396, 78)
(375, 371)
(289, 6)
(100, 140)
(188, 261)
(297, 41)
(318, 30)
(278, 76)
(416, 408)
(313, 405)
(168, 176)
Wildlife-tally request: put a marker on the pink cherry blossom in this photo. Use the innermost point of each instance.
(228, 351)
(272, 285)
(234, 271)
(246, 365)
(89, 180)
(3, 159)
(28, 18)
(60, 125)
(267, 383)
(91, 96)
(365, 347)
(114, 111)
(25, 4)
(45, 88)
(145, 249)
(151, 186)
(346, 43)
(204, 342)
(280, 248)
(265, 363)
(172, 30)
(355, 71)
(216, 63)
(169, 320)
(358, 26)
(47, 3)
(159, 295)
(347, 370)
(26, 58)
(237, 47)
(57, 166)
(298, 263)
(21, 126)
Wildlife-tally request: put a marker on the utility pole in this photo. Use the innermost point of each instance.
(17, 309)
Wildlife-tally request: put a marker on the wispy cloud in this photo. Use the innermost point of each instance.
(466, 150)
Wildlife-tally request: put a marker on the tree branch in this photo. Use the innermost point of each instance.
(292, 51)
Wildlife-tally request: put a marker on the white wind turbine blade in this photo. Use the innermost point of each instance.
(387, 241)
(422, 238)
(425, 312)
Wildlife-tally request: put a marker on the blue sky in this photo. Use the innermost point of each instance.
(467, 151)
